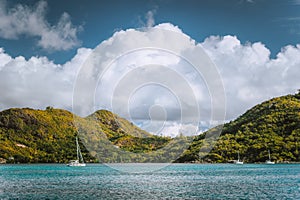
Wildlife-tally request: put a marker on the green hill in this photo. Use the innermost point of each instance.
(48, 136)
(272, 125)
(125, 135)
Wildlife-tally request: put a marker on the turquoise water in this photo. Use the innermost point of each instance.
(178, 181)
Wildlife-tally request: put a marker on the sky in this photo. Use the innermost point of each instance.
(137, 58)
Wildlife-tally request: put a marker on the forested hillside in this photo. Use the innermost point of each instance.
(272, 125)
(43, 136)
(48, 136)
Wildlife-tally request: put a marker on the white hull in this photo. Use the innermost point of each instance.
(268, 162)
(76, 163)
(239, 162)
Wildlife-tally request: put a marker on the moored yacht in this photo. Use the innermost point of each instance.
(79, 162)
(269, 162)
(238, 162)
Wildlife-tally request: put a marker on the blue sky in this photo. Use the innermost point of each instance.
(274, 23)
(253, 46)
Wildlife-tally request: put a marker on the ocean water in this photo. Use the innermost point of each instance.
(176, 181)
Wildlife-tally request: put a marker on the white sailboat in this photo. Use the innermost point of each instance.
(269, 162)
(79, 162)
(238, 162)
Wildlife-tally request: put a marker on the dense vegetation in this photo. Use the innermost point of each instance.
(28, 135)
(125, 135)
(48, 136)
(272, 125)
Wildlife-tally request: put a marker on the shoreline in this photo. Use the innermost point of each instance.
(194, 163)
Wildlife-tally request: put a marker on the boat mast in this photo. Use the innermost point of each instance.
(77, 148)
(79, 155)
(238, 156)
(269, 155)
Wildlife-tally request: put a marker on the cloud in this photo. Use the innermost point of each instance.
(150, 18)
(296, 2)
(37, 82)
(153, 87)
(173, 129)
(23, 20)
(147, 21)
(135, 81)
(246, 1)
(248, 73)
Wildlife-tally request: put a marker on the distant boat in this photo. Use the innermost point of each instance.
(238, 162)
(269, 162)
(79, 162)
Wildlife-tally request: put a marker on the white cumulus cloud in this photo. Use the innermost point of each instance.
(37, 82)
(250, 76)
(23, 20)
(153, 84)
